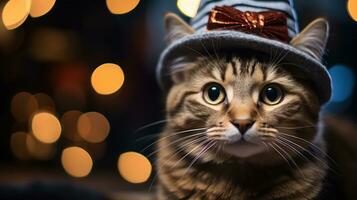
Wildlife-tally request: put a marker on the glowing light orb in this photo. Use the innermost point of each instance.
(69, 122)
(39, 150)
(18, 145)
(121, 6)
(107, 78)
(352, 9)
(93, 127)
(15, 13)
(134, 167)
(188, 7)
(46, 127)
(41, 7)
(76, 161)
(45, 102)
(23, 105)
(343, 82)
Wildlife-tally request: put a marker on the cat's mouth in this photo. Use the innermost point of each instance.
(243, 148)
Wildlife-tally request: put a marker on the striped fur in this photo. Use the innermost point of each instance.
(192, 162)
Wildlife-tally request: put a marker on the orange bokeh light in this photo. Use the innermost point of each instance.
(121, 6)
(107, 78)
(41, 7)
(76, 161)
(352, 9)
(23, 105)
(93, 127)
(46, 127)
(18, 145)
(39, 150)
(15, 13)
(134, 167)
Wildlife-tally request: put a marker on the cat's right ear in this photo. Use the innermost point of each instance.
(176, 28)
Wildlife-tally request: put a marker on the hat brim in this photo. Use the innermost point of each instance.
(234, 39)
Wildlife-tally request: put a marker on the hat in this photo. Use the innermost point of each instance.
(266, 26)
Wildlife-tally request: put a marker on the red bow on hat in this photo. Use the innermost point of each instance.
(269, 24)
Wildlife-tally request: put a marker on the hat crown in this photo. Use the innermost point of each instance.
(199, 22)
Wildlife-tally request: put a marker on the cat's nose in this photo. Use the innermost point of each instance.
(243, 125)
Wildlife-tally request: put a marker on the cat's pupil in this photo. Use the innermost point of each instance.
(213, 93)
(271, 94)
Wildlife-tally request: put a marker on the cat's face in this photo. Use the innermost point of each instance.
(244, 107)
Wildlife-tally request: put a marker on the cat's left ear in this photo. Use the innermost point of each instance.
(176, 28)
(313, 38)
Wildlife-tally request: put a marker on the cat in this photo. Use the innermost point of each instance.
(242, 124)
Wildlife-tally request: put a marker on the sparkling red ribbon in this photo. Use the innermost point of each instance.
(268, 24)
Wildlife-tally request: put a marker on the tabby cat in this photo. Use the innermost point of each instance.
(242, 125)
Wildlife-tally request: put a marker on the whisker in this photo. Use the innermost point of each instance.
(281, 155)
(176, 141)
(291, 159)
(202, 152)
(150, 125)
(171, 135)
(313, 145)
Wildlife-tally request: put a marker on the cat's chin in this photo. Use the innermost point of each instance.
(243, 149)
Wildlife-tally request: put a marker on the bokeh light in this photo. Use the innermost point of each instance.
(41, 7)
(76, 161)
(188, 7)
(18, 145)
(46, 127)
(121, 6)
(343, 82)
(93, 127)
(23, 105)
(15, 13)
(107, 78)
(69, 122)
(134, 167)
(39, 150)
(45, 102)
(352, 9)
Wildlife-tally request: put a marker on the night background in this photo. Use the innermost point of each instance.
(52, 80)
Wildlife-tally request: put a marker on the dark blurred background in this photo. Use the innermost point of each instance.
(46, 66)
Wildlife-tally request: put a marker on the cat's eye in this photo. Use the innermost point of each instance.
(272, 94)
(214, 93)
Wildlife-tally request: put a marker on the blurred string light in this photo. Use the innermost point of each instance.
(46, 127)
(352, 9)
(39, 150)
(76, 161)
(107, 78)
(18, 145)
(93, 127)
(343, 82)
(41, 7)
(69, 122)
(23, 104)
(15, 13)
(121, 6)
(134, 167)
(188, 7)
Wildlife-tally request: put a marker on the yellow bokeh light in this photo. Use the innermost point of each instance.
(46, 127)
(352, 9)
(18, 145)
(41, 7)
(39, 150)
(188, 7)
(76, 161)
(23, 105)
(93, 127)
(107, 78)
(15, 13)
(121, 6)
(134, 167)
